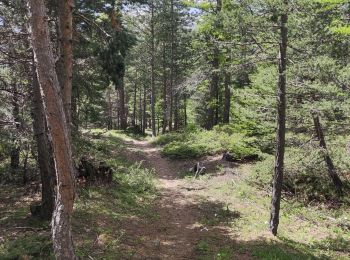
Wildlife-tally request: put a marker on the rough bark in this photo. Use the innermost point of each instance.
(331, 169)
(45, 157)
(227, 105)
(55, 115)
(65, 62)
(281, 124)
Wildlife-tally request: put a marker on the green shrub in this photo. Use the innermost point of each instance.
(183, 150)
(168, 138)
(305, 173)
(202, 142)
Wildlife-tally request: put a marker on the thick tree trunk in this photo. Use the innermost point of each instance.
(45, 154)
(65, 62)
(153, 90)
(50, 87)
(227, 105)
(331, 169)
(281, 125)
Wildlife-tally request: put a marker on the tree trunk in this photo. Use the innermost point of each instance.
(109, 110)
(144, 118)
(50, 87)
(153, 91)
(281, 124)
(331, 169)
(140, 109)
(227, 106)
(214, 88)
(16, 149)
(134, 118)
(176, 111)
(213, 112)
(122, 110)
(172, 66)
(45, 154)
(65, 62)
(165, 107)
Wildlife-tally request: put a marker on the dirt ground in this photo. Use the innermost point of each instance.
(181, 210)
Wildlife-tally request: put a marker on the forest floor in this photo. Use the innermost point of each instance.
(167, 214)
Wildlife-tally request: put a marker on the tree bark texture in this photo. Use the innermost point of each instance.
(281, 124)
(55, 115)
(65, 71)
(45, 154)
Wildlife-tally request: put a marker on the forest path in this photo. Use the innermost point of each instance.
(185, 219)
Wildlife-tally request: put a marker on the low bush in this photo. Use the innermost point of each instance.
(193, 144)
(306, 173)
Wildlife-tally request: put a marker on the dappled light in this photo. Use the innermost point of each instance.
(174, 129)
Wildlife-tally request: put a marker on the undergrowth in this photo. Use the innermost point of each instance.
(195, 143)
(99, 210)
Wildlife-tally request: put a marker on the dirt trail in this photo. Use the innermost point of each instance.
(177, 230)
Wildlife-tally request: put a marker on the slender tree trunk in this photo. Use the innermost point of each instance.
(144, 119)
(45, 153)
(50, 87)
(227, 106)
(153, 90)
(109, 110)
(172, 66)
(122, 110)
(185, 109)
(165, 107)
(176, 111)
(213, 112)
(214, 88)
(135, 106)
(65, 72)
(140, 109)
(331, 169)
(16, 149)
(281, 124)
(25, 165)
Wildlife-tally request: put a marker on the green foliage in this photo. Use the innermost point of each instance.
(113, 56)
(306, 175)
(35, 246)
(202, 142)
